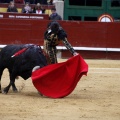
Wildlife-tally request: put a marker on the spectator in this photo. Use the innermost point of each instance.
(54, 15)
(27, 8)
(5, 1)
(11, 7)
(54, 1)
(50, 2)
(38, 9)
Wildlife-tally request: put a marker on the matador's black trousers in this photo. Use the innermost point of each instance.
(51, 51)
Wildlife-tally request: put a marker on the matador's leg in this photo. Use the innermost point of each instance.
(51, 52)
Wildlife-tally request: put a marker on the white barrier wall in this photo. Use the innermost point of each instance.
(60, 7)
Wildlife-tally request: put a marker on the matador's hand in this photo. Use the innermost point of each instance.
(75, 53)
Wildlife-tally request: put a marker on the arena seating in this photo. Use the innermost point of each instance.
(4, 6)
(19, 1)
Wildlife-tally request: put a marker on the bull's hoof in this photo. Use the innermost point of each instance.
(0, 91)
(16, 91)
(4, 92)
(40, 93)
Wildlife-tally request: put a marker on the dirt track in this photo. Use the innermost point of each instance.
(96, 97)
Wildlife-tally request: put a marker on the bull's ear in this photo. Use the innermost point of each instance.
(35, 68)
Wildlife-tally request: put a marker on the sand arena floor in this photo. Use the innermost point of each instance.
(96, 97)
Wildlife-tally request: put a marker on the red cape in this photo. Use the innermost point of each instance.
(59, 80)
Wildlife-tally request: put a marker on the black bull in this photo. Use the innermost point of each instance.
(21, 65)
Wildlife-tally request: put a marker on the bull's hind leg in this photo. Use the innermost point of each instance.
(6, 89)
(13, 86)
(0, 84)
(12, 83)
(1, 71)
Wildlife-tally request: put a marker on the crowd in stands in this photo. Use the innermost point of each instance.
(43, 2)
(11, 7)
(37, 9)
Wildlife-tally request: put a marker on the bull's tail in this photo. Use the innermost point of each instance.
(0, 81)
(1, 72)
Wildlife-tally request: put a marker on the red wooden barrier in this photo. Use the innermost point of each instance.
(24, 16)
(80, 34)
(5, 5)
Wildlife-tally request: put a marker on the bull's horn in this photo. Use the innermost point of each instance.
(35, 68)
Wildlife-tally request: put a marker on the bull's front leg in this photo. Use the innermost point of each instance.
(14, 87)
(6, 89)
(1, 71)
(12, 80)
(12, 83)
